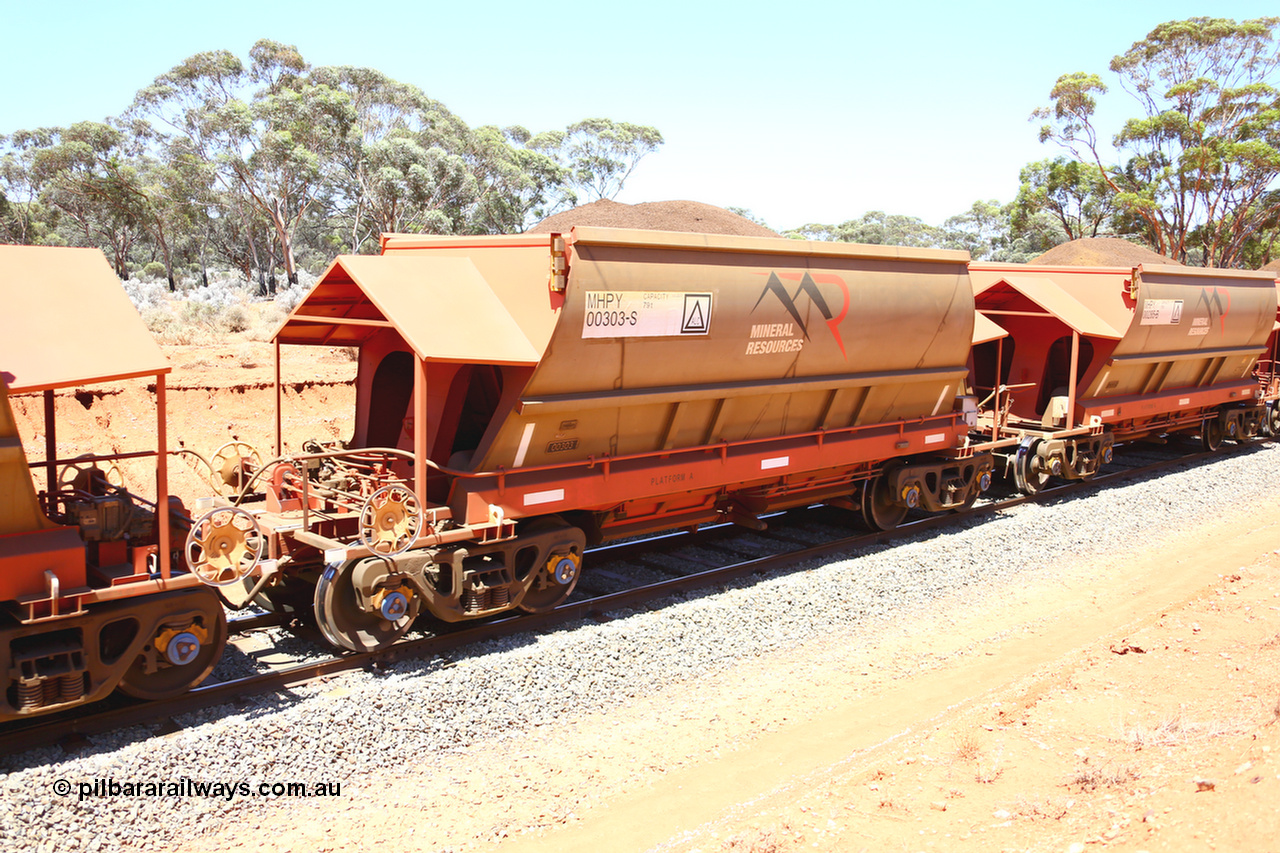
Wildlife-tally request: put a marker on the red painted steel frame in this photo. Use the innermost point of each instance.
(726, 467)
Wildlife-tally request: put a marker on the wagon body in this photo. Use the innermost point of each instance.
(1122, 353)
(613, 382)
(88, 598)
(681, 361)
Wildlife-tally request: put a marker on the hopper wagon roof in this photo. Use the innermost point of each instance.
(66, 321)
(442, 306)
(985, 330)
(1071, 294)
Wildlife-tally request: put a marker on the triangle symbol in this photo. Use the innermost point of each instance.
(696, 320)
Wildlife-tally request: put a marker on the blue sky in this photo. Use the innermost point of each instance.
(815, 112)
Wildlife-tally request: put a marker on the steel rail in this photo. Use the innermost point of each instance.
(71, 729)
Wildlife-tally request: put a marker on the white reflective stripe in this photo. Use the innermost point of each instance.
(936, 438)
(1108, 413)
(547, 497)
(776, 462)
(941, 397)
(1185, 401)
(524, 444)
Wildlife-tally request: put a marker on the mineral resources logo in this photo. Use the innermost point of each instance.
(780, 337)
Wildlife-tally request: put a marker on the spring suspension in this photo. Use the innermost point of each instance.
(70, 687)
(30, 694)
(476, 600)
(480, 598)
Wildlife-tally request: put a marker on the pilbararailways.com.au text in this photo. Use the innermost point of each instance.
(194, 788)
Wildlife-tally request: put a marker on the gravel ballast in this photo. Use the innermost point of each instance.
(339, 731)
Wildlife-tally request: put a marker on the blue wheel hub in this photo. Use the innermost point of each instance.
(565, 571)
(182, 648)
(394, 606)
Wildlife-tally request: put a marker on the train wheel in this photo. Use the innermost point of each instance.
(1271, 423)
(1211, 434)
(347, 625)
(556, 577)
(183, 654)
(1029, 471)
(879, 510)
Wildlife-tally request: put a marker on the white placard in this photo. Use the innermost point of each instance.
(1161, 312)
(645, 314)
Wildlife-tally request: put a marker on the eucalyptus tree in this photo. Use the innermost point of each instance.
(1074, 192)
(520, 180)
(89, 173)
(25, 220)
(1199, 165)
(267, 130)
(403, 165)
(877, 228)
(601, 154)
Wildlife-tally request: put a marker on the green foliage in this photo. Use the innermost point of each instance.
(986, 231)
(1075, 193)
(1199, 164)
(876, 228)
(600, 154)
(271, 166)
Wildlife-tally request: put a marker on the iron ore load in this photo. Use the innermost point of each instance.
(519, 398)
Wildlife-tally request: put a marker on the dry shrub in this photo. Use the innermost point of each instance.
(967, 748)
(1040, 809)
(989, 772)
(236, 318)
(1105, 776)
(757, 841)
(1176, 730)
(269, 318)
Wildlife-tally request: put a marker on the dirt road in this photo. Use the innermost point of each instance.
(1132, 706)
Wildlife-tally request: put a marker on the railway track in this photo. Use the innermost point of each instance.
(622, 576)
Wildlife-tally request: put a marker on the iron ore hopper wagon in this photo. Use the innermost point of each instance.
(91, 599)
(519, 398)
(1095, 356)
